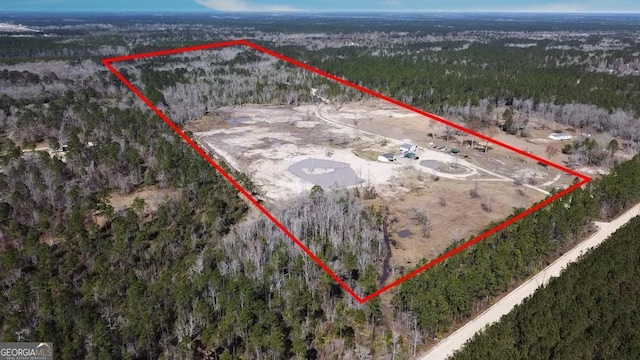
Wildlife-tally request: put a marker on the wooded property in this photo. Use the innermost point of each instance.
(118, 241)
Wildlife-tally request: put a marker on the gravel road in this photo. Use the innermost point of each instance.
(455, 341)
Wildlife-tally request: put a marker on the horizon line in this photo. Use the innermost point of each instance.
(331, 11)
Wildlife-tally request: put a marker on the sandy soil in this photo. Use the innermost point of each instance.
(274, 138)
(265, 141)
(398, 123)
(152, 196)
(449, 222)
(50, 240)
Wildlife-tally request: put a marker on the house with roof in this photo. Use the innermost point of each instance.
(560, 136)
(405, 148)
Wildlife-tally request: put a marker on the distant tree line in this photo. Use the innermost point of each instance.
(192, 278)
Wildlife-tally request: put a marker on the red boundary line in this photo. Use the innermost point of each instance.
(108, 64)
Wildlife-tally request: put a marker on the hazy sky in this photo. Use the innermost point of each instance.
(320, 5)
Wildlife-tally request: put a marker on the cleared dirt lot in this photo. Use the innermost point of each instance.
(283, 148)
(379, 117)
(459, 216)
(288, 150)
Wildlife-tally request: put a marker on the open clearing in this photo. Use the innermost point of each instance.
(286, 150)
(152, 196)
(460, 218)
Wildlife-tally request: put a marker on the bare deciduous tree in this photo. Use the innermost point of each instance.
(486, 205)
(422, 217)
(474, 193)
(551, 151)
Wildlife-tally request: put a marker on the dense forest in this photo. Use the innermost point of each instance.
(590, 312)
(179, 278)
(196, 275)
(175, 275)
(458, 77)
(194, 83)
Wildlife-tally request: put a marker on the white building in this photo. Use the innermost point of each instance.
(387, 157)
(405, 148)
(560, 137)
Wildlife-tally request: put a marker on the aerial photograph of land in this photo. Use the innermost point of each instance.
(249, 180)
